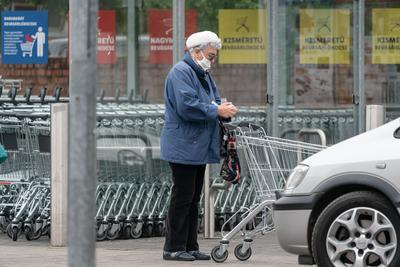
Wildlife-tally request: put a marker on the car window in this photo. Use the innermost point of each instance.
(397, 133)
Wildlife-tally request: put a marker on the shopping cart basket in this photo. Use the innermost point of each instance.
(269, 161)
(27, 48)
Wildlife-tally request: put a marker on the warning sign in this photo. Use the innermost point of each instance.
(243, 35)
(324, 36)
(386, 36)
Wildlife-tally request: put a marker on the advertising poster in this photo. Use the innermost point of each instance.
(324, 36)
(24, 36)
(243, 35)
(386, 36)
(106, 42)
(160, 31)
(314, 87)
(106, 37)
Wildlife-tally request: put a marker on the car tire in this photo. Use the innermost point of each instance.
(348, 221)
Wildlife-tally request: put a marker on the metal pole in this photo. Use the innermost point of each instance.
(132, 49)
(361, 71)
(272, 69)
(213, 192)
(178, 32)
(358, 68)
(374, 116)
(82, 158)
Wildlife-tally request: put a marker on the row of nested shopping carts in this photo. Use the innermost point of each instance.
(133, 183)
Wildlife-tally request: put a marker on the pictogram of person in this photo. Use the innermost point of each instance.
(40, 38)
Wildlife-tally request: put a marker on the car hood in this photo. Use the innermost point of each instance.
(375, 145)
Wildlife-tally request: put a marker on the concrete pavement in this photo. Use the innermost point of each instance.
(144, 252)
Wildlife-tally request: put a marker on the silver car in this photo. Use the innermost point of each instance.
(341, 206)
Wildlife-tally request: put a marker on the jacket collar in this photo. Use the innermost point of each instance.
(189, 60)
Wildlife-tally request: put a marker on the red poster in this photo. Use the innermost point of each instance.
(160, 31)
(106, 37)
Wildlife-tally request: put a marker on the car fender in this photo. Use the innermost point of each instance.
(361, 179)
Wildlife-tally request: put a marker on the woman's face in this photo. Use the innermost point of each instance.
(210, 53)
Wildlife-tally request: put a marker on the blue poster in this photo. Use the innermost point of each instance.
(24, 36)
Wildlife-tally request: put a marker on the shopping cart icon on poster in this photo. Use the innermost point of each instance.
(27, 46)
(167, 22)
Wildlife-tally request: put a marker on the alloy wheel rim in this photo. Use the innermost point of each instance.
(361, 237)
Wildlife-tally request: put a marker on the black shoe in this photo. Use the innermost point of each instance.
(178, 256)
(200, 255)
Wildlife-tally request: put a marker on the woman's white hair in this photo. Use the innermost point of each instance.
(202, 40)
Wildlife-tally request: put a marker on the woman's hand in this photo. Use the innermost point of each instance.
(227, 110)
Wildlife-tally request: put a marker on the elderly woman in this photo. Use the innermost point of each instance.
(190, 140)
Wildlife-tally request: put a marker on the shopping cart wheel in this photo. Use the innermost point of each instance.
(136, 233)
(4, 222)
(33, 235)
(240, 255)
(15, 232)
(217, 256)
(29, 233)
(46, 230)
(220, 222)
(149, 230)
(126, 231)
(102, 232)
(113, 232)
(161, 229)
(9, 230)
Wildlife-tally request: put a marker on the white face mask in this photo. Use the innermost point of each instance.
(205, 64)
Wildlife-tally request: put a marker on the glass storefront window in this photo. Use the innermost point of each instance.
(315, 52)
(241, 70)
(315, 69)
(382, 55)
(316, 63)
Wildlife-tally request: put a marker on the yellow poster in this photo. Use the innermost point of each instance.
(243, 35)
(386, 36)
(324, 36)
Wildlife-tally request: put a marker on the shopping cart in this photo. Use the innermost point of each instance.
(27, 48)
(269, 161)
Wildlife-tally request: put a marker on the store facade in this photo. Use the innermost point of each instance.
(306, 64)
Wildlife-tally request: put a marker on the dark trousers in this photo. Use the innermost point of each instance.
(183, 213)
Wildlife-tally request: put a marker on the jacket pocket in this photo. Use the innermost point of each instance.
(191, 131)
(171, 125)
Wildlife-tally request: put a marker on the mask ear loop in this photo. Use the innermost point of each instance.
(203, 54)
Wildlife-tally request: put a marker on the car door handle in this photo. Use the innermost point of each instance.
(381, 166)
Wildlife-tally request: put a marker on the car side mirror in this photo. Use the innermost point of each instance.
(397, 133)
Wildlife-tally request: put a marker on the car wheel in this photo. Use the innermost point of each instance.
(357, 229)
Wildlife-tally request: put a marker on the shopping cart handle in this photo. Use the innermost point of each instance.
(242, 124)
(230, 125)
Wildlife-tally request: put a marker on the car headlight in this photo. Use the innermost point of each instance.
(296, 176)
